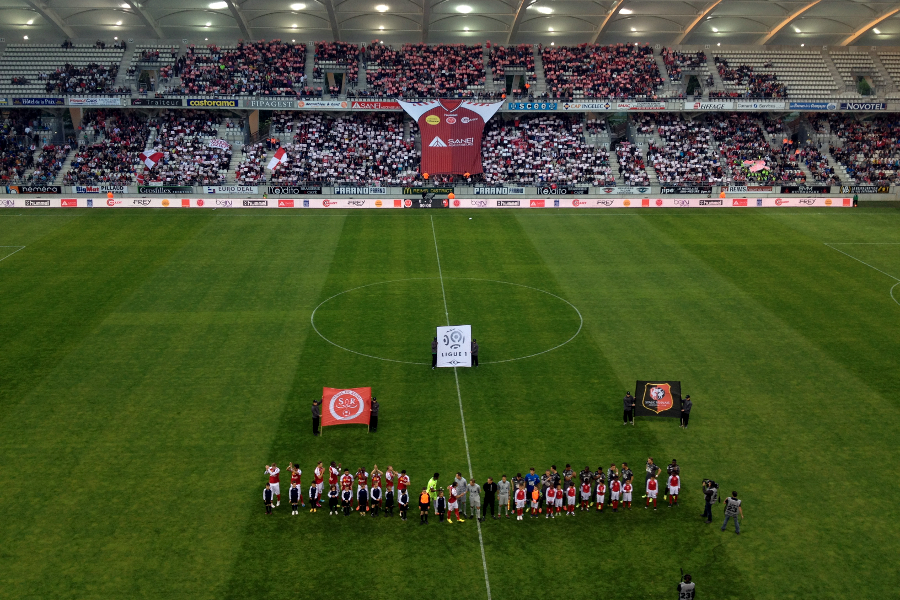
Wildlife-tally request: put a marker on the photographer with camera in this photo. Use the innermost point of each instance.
(686, 588)
(711, 494)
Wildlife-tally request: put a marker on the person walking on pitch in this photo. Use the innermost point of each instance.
(710, 496)
(490, 499)
(732, 510)
(316, 414)
(686, 406)
(267, 498)
(628, 403)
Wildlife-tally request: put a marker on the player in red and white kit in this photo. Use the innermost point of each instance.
(601, 494)
(520, 502)
(652, 490)
(295, 478)
(334, 474)
(571, 494)
(626, 493)
(318, 479)
(453, 506)
(674, 485)
(615, 489)
(402, 482)
(585, 495)
(272, 471)
(550, 501)
(346, 480)
(559, 499)
(390, 477)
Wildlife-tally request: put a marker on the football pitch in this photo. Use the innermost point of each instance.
(154, 361)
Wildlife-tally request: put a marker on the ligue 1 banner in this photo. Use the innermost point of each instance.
(454, 346)
(658, 398)
(451, 132)
(346, 406)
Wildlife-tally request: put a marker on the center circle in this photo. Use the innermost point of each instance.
(395, 320)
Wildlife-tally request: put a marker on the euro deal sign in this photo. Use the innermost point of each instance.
(658, 398)
(346, 406)
(454, 346)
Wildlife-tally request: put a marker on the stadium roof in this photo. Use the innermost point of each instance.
(564, 22)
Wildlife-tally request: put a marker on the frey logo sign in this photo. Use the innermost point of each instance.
(454, 346)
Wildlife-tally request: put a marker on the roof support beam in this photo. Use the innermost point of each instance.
(695, 22)
(240, 18)
(765, 39)
(868, 26)
(520, 12)
(426, 19)
(146, 18)
(332, 18)
(52, 16)
(609, 16)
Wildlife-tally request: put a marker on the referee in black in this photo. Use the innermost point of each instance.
(628, 403)
(373, 418)
(434, 353)
(315, 416)
(474, 352)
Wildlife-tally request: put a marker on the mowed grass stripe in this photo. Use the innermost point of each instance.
(731, 306)
(563, 406)
(146, 508)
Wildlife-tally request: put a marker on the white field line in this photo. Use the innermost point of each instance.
(891, 292)
(11, 253)
(462, 416)
(861, 261)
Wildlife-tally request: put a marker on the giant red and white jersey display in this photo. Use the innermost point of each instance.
(451, 132)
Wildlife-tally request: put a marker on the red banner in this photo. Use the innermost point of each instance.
(344, 406)
(451, 132)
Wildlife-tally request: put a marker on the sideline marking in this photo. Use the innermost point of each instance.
(312, 318)
(891, 291)
(11, 253)
(462, 416)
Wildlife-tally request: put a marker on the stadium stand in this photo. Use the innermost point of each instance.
(594, 71)
(676, 62)
(50, 69)
(359, 148)
(336, 56)
(804, 73)
(50, 162)
(542, 149)
(113, 140)
(18, 140)
(519, 57)
(686, 153)
(742, 81)
(891, 62)
(183, 137)
(742, 141)
(853, 64)
(158, 56)
(868, 150)
(251, 68)
(632, 167)
(420, 70)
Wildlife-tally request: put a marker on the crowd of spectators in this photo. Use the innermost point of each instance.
(120, 137)
(521, 56)
(18, 142)
(742, 143)
(183, 139)
(261, 68)
(687, 153)
(817, 164)
(343, 54)
(542, 149)
(361, 148)
(632, 167)
(421, 70)
(90, 79)
(758, 85)
(870, 150)
(593, 71)
(677, 61)
(50, 162)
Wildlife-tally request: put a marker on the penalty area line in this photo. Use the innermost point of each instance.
(18, 248)
(462, 416)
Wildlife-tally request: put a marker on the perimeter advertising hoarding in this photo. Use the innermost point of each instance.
(760, 105)
(213, 102)
(685, 189)
(350, 190)
(812, 105)
(161, 190)
(230, 189)
(39, 101)
(364, 105)
(99, 189)
(498, 191)
(805, 189)
(419, 190)
(562, 190)
(95, 101)
(708, 105)
(863, 106)
(170, 102)
(865, 189)
(323, 104)
(295, 190)
(531, 105)
(34, 189)
(270, 103)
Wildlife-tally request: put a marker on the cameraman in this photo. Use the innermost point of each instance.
(686, 589)
(711, 494)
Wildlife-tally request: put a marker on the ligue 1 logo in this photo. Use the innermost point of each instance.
(346, 405)
(454, 339)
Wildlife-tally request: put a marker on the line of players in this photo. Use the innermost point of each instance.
(546, 493)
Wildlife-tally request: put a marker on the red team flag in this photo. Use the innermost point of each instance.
(279, 157)
(345, 406)
(151, 159)
(451, 132)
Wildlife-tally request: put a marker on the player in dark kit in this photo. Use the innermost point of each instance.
(375, 500)
(403, 503)
(434, 352)
(313, 497)
(389, 502)
(333, 500)
(267, 499)
(294, 497)
(347, 501)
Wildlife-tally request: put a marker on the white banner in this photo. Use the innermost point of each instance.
(640, 106)
(95, 101)
(230, 189)
(708, 105)
(323, 104)
(760, 105)
(99, 189)
(217, 143)
(454, 346)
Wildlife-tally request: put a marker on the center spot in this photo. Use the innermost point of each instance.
(395, 320)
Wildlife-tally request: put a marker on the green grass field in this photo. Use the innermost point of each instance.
(153, 361)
